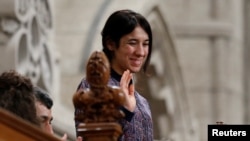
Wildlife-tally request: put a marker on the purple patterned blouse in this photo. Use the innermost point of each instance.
(137, 125)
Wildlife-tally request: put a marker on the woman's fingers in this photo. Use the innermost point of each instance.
(126, 78)
(131, 89)
(128, 89)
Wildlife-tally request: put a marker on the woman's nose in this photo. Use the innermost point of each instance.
(140, 50)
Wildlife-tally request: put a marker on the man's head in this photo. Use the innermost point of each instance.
(16, 96)
(43, 107)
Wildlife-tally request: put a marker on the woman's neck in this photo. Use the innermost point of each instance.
(115, 75)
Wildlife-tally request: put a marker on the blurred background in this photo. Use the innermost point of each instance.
(200, 62)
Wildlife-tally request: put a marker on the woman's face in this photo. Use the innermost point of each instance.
(132, 51)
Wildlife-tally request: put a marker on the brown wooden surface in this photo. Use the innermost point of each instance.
(13, 128)
(100, 131)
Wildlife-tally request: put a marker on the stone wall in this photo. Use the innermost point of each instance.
(199, 62)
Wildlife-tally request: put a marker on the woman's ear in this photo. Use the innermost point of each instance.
(110, 45)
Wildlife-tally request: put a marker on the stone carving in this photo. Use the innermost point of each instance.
(101, 102)
(25, 41)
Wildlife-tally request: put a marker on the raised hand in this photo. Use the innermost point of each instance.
(128, 90)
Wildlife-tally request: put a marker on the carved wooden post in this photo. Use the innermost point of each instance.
(98, 108)
(100, 131)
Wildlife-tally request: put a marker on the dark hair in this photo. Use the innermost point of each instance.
(16, 96)
(123, 22)
(43, 96)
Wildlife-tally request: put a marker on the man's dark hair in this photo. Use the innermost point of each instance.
(43, 96)
(17, 96)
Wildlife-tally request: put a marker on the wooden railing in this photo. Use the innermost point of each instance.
(13, 128)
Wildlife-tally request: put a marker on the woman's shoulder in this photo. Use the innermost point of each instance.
(83, 84)
(113, 82)
(140, 97)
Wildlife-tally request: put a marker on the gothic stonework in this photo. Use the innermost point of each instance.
(25, 40)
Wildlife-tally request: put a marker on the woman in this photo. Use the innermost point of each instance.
(127, 42)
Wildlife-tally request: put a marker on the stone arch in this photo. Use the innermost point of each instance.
(173, 119)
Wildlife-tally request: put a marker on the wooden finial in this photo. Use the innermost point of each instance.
(100, 103)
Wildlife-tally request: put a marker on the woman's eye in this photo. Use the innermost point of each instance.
(132, 43)
(145, 44)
